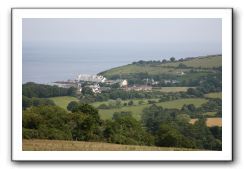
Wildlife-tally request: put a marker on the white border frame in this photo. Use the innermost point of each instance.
(19, 155)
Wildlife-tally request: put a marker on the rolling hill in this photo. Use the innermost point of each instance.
(201, 64)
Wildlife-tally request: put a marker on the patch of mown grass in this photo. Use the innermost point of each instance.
(63, 101)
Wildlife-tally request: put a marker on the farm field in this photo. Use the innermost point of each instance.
(214, 95)
(208, 62)
(63, 101)
(215, 121)
(210, 113)
(135, 102)
(61, 145)
(172, 89)
(203, 62)
(131, 68)
(137, 110)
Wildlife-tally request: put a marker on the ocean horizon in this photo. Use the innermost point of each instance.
(50, 63)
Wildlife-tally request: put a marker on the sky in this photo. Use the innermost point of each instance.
(170, 37)
(60, 49)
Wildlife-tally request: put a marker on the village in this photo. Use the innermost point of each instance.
(98, 83)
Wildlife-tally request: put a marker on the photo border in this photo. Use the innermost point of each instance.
(20, 158)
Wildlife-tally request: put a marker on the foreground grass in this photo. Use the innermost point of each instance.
(63, 101)
(61, 145)
(137, 109)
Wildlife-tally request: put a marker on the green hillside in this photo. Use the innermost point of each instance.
(202, 64)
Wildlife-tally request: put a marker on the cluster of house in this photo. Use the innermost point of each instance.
(171, 81)
(94, 80)
(139, 88)
(97, 89)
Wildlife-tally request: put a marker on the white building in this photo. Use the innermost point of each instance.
(91, 78)
(95, 88)
(123, 83)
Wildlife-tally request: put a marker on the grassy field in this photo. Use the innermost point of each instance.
(165, 68)
(63, 101)
(135, 102)
(61, 145)
(215, 121)
(172, 89)
(131, 68)
(203, 62)
(214, 95)
(137, 109)
(210, 113)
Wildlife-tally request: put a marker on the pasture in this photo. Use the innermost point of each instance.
(203, 62)
(214, 95)
(135, 102)
(137, 109)
(63, 101)
(62, 145)
(172, 68)
(171, 89)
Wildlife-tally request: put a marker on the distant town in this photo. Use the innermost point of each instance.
(94, 82)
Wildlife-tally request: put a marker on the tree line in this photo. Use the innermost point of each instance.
(158, 126)
(31, 89)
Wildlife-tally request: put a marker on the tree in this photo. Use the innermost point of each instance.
(141, 102)
(26, 102)
(181, 65)
(130, 103)
(183, 118)
(118, 102)
(124, 129)
(181, 59)
(103, 106)
(169, 136)
(43, 91)
(153, 116)
(73, 106)
(217, 132)
(87, 123)
(87, 91)
(46, 122)
(164, 61)
(71, 91)
(172, 59)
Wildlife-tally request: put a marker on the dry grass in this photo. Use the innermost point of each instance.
(61, 145)
(215, 121)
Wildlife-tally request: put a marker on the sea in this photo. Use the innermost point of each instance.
(49, 63)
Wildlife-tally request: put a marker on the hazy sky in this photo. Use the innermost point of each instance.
(186, 36)
(67, 47)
